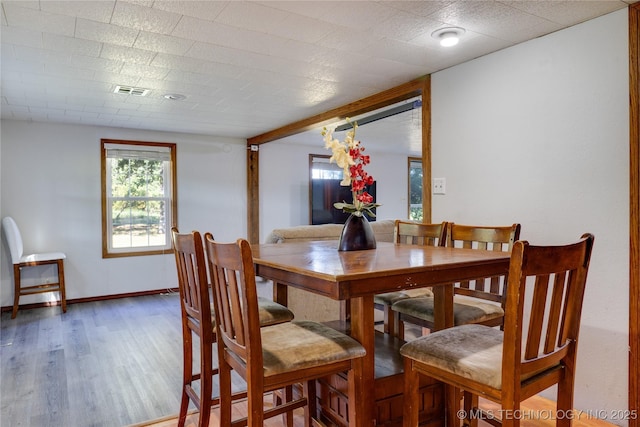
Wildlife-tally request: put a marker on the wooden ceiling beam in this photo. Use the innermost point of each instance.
(379, 100)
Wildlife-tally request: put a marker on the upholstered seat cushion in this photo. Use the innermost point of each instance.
(389, 298)
(48, 256)
(271, 313)
(465, 309)
(470, 351)
(303, 344)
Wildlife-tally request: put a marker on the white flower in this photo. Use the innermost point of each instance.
(340, 153)
(349, 156)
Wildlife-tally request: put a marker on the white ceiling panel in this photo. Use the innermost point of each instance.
(144, 18)
(245, 67)
(154, 43)
(97, 10)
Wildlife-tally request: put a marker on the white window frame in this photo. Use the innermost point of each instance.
(118, 149)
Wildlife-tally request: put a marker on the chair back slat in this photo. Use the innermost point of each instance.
(417, 233)
(224, 313)
(557, 275)
(490, 238)
(538, 305)
(494, 286)
(555, 313)
(235, 297)
(235, 305)
(193, 283)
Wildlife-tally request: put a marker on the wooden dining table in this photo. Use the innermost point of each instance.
(356, 276)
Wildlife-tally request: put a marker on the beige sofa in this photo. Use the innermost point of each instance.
(305, 305)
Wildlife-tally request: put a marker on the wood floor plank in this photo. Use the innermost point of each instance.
(51, 401)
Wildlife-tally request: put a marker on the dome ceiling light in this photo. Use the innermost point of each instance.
(174, 96)
(448, 36)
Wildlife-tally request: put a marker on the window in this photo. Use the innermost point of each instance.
(415, 188)
(138, 197)
(325, 190)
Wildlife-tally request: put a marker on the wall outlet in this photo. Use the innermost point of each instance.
(439, 186)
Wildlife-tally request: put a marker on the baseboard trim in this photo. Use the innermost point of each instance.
(92, 299)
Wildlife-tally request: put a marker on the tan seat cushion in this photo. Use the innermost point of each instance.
(465, 309)
(271, 313)
(470, 351)
(303, 344)
(391, 297)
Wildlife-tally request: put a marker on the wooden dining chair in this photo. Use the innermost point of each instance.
(411, 233)
(479, 301)
(21, 261)
(271, 357)
(198, 321)
(536, 350)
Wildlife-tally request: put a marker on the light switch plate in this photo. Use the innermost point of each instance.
(439, 186)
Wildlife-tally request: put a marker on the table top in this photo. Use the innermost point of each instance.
(319, 267)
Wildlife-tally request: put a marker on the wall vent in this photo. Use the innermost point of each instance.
(129, 90)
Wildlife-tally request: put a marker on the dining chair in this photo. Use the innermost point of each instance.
(411, 233)
(198, 321)
(21, 261)
(479, 301)
(536, 350)
(271, 357)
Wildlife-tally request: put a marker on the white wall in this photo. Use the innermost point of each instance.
(538, 134)
(50, 179)
(284, 184)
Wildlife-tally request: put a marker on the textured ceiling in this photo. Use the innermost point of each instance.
(244, 67)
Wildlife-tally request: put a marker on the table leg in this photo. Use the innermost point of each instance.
(280, 294)
(442, 306)
(361, 389)
(345, 311)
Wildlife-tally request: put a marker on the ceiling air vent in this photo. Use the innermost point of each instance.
(128, 90)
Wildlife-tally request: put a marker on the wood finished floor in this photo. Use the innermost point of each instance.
(105, 364)
(101, 364)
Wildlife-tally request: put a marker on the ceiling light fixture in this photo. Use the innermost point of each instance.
(448, 36)
(174, 96)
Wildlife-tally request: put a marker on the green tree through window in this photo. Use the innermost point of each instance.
(415, 189)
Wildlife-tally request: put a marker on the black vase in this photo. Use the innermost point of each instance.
(357, 234)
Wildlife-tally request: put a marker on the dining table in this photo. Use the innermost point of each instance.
(356, 276)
